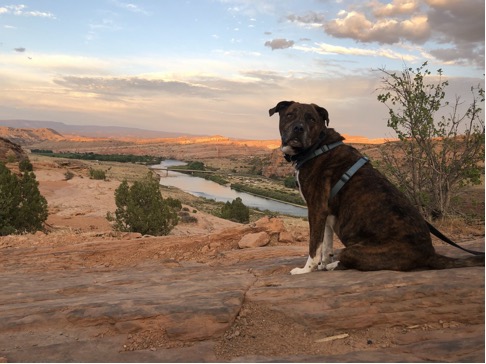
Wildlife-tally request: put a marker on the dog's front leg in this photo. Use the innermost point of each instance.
(327, 246)
(317, 233)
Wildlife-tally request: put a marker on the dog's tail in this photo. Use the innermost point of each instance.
(438, 261)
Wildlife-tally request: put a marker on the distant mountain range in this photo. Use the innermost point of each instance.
(53, 130)
(93, 131)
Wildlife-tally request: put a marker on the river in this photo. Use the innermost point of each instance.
(211, 190)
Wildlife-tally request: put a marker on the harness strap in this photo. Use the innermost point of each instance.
(347, 176)
(316, 153)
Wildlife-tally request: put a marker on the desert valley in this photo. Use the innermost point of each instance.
(214, 290)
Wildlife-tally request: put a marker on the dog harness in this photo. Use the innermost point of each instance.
(347, 176)
(300, 160)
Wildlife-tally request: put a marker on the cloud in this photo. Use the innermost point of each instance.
(22, 10)
(357, 26)
(131, 7)
(249, 8)
(460, 24)
(450, 30)
(310, 20)
(19, 49)
(118, 86)
(325, 48)
(279, 43)
(395, 8)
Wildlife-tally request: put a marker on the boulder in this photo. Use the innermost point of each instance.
(254, 240)
(272, 225)
(285, 237)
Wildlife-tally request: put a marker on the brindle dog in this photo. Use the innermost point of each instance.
(378, 225)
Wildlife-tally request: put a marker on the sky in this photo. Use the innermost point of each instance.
(215, 67)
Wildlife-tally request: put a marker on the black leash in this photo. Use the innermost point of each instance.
(444, 238)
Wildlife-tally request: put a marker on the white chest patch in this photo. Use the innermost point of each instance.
(298, 182)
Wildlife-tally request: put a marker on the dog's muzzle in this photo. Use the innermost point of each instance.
(292, 146)
(293, 139)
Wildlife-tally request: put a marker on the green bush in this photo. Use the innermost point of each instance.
(198, 166)
(25, 165)
(141, 208)
(290, 182)
(173, 203)
(236, 211)
(23, 208)
(97, 174)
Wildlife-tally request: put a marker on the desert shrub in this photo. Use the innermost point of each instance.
(97, 174)
(141, 208)
(187, 218)
(290, 182)
(236, 211)
(24, 209)
(173, 203)
(441, 147)
(196, 165)
(25, 165)
(68, 175)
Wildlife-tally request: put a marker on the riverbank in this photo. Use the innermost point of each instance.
(210, 190)
(255, 185)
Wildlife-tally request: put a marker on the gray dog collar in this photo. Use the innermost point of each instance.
(299, 161)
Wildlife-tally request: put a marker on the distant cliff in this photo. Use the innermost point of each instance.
(10, 150)
(24, 136)
(90, 130)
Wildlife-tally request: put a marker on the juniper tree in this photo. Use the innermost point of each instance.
(141, 208)
(23, 208)
(236, 211)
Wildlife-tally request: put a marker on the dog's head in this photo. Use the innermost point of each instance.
(301, 125)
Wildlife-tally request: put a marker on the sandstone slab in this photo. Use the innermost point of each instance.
(240, 305)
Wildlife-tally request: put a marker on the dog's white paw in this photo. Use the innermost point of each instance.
(332, 265)
(299, 271)
(310, 265)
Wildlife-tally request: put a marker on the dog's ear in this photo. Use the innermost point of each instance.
(282, 105)
(322, 113)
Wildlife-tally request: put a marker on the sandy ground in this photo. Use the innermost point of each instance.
(81, 204)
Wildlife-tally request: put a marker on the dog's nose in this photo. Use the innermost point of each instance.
(299, 128)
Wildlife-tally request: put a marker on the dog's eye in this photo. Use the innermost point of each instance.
(290, 116)
(310, 118)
